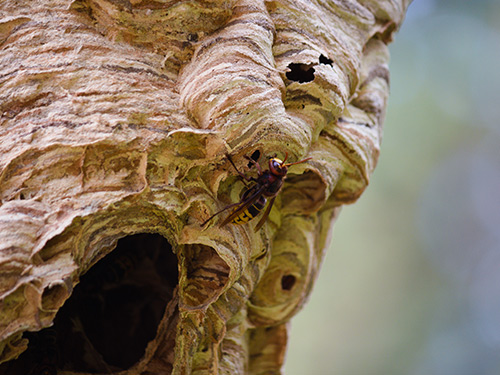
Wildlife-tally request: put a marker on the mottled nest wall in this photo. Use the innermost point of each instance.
(116, 118)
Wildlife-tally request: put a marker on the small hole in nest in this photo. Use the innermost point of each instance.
(192, 37)
(287, 282)
(255, 157)
(325, 60)
(300, 72)
(112, 315)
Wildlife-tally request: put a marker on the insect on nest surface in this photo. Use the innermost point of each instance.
(267, 185)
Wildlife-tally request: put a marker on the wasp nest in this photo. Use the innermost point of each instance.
(116, 121)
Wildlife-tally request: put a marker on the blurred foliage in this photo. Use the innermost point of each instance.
(411, 284)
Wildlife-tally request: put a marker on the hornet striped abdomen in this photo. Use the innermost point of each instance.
(248, 214)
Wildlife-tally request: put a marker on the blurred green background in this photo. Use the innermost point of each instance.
(411, 282)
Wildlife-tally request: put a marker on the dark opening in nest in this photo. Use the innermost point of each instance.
(111, 316)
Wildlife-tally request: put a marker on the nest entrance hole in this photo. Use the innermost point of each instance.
(300, 72)
(112, 315)
(303, 73)
(287, 282)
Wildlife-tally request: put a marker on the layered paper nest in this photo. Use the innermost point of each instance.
(116, 119)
